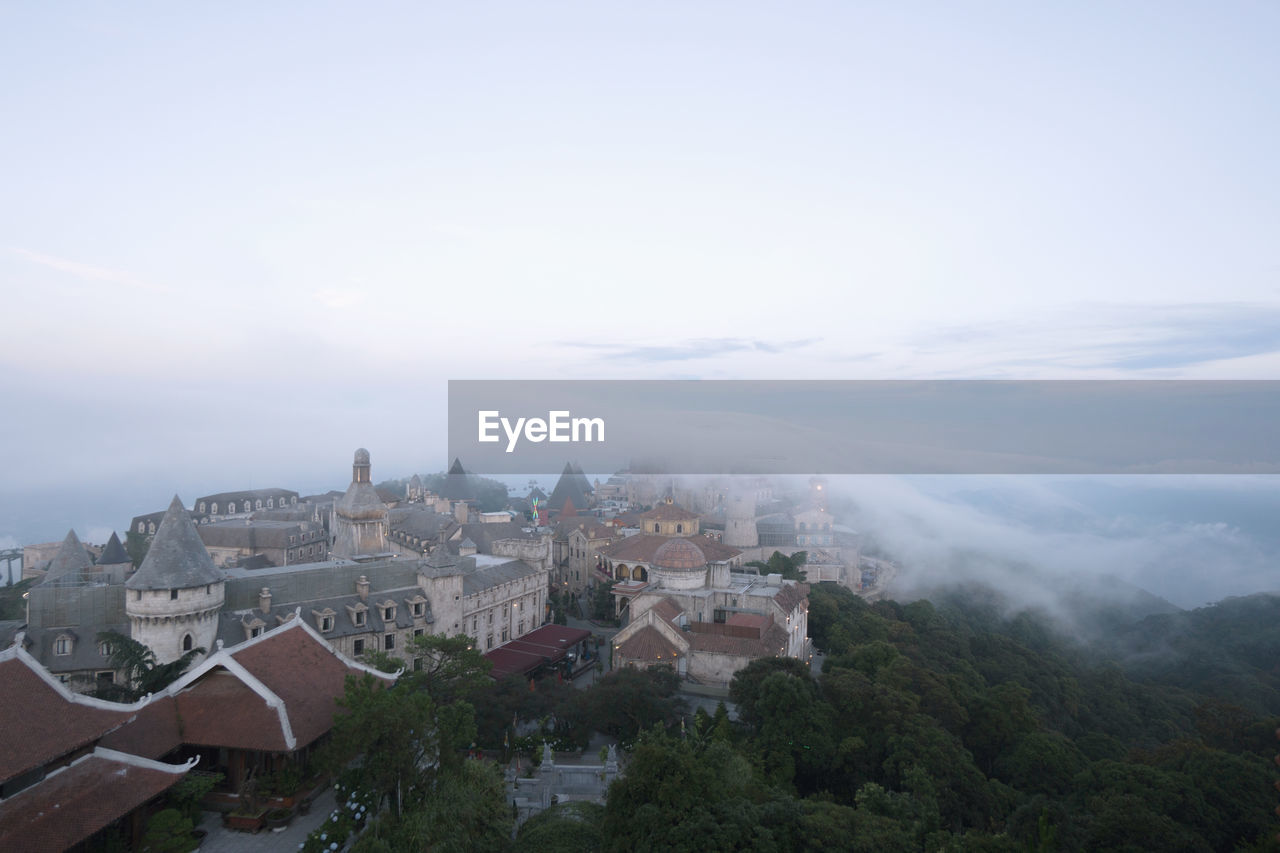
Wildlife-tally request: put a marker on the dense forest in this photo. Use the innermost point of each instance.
(951, 725)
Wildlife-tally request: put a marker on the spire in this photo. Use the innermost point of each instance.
(71, 559)
(177, 558)
(113, 554)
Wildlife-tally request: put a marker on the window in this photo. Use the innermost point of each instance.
(679, 528)
(520, 628)
(488, 642)
(655, 527)
(253, 632)
(142, 525)
(389, 642)
(417, 608)
(62, 646)
(188, 644)
(417, 632)
(173, 595)
(271, 503)
(506, 635)
(104, 649)
(474, 620)
(214, 509)
(107, 677)
(357, 648)
(358, 619)
(490, 617)
(202, 506)
(257, 504)
(388, 614)
(137, 595)
(417, 663)
(326, 623)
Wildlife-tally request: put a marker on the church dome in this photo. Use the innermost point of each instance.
(679, 554)
(362, 457)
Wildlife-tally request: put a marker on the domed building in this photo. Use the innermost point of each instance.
(359, 524)
(174, 598)
(688, 603)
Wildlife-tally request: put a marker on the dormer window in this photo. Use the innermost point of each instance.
(62, 645)
(417, 608)
(357, 612)
(358, 619)
(104, 649)
(388, 614)
(324, 618)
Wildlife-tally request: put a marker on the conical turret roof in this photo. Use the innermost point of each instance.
(114, 554)
(177, 558)
(71, 558)
(569, 489)
(457, 484)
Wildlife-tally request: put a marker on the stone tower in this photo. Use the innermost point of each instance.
(173, 600)
(360, 521)
(740, 522)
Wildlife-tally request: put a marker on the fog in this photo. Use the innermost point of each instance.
(1189, 540)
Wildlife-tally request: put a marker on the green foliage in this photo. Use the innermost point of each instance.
(567, 828)
(12, 605)
(602, 603)
(142, 674)
(626, 701)
(187, 794)
(169, 831)
(464, 810)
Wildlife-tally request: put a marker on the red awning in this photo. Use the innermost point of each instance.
(548, 644)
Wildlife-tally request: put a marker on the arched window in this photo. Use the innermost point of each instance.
(214, 509)
(142, 527)
(246, 506)
(679, 528)
(655, 527)
(257, 504)
(202, 506)
(271, 503)
(151, 528)
(187, 643)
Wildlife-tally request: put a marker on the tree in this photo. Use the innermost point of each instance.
(395, 733)
(169, 831)
(567, 828)
(461, 811)
(602, 603)
(628, 700)
(142, 675)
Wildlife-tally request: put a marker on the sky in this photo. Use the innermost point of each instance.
(239, 240)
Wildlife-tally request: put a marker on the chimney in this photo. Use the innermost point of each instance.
(362, 588)
(264, 600)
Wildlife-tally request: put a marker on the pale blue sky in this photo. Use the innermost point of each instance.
(238, 240)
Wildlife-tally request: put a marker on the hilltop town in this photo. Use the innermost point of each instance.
(635, 572)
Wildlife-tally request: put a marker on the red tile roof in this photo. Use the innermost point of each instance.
(72, 804)
(791, 595)
(222, 710)
(668, 609)
(772, 644)
(39, 722)
(525, 654)
(151, 733)
(647, 645)
(302, 671)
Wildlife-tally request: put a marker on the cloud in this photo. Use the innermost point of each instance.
(1115, 337)
(338, 298)
(1189, 545)
(88, 272)
(693, 350)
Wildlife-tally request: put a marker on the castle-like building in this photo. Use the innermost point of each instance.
(364, 598)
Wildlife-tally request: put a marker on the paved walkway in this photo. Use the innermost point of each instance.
(223, 840)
